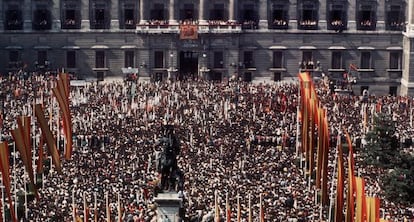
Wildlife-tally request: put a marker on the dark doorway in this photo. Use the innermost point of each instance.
(247, 77)
(100, 76)
(188, 65)
(216, 76)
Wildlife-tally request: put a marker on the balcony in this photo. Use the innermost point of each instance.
(213, 26)
(337, 25)
(279, 24)
(368, 25)
(14, 25)
(70, 24)
(250, 24)
(129, 24)
(396, 26)
(15, 65)
(100, 24)
(308, 24)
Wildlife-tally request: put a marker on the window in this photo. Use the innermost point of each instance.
(279, 19)
(395, 60)
(71, 59)
(367, 17)
(70, 15)
(157, 13)
(14, 59)
(129, 59)
(100, 59)
(249, 17)
(158, 59)
(218, 59)
(217, 13)
(308, 13)
(41, 57)
(393, 90)
(14, 56)
(337, 17)
(336, 60)
(129, 19)
(42, 19)
(277, 76)
(187, 13)
(365, 60)
(307, 60)
(248, 59)
(395, 18)
(14, 19)
(100, 16)
(277, 59)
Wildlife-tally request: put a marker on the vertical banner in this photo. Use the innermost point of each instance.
(5, 173)
(350, 209)
(339, 184)
(50, 140)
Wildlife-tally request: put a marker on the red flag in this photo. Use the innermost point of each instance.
(5, 173)
(353, 67)
(262, 214)
(350, 208)
(39, 164)
(228, 209)
(50, 140)
(61, 92)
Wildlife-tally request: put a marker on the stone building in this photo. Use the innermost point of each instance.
(215, 39)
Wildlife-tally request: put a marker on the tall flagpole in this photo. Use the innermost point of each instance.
(95, 208)
(73, 207)
(26, 212)
(2, 201)
(14, 178)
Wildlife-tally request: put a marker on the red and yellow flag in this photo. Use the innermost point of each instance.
(325, 155)
(350, 208)
(339, 184)
(360, 199)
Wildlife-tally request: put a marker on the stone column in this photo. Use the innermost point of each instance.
(407, 79)
(201, 13)
(56, 24)
(142, 12)
(2, 16)
(114, 14)
(27, 15)
(172, 15)
(232, 14)
(410, 19)
(84, 10)
(263, 18)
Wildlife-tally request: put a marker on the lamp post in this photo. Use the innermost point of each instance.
(203, 69)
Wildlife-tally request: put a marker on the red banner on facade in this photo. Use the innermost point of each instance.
(188, 31)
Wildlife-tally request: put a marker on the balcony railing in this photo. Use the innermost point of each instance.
(212, 26)
(250, 24)
(14, 25)
(308, 24)
(279, 24)
(367, 25)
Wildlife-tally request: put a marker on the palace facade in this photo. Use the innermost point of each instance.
(272, 40)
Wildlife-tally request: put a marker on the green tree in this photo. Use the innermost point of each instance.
(384, 151)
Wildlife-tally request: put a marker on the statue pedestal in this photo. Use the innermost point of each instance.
(169, 204)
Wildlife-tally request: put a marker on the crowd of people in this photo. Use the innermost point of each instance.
(237, 139)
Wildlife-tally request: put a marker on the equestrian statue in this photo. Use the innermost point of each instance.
(171, 175)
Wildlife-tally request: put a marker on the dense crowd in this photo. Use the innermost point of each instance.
(237, 139)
